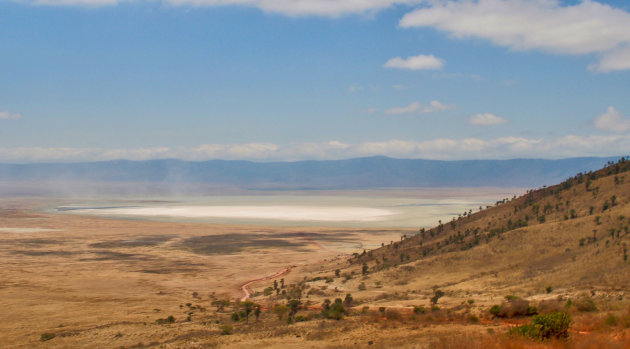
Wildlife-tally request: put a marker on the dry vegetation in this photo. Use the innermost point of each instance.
(507, 276)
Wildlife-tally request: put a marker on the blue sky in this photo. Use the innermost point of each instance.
(313, 79)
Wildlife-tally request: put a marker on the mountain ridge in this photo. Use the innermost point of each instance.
(367, 172)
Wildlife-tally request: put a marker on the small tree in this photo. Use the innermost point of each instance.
(257, 311)
(364, 269)
(437, 294)
(335, 310)
(348, 300)
(280, 310)
(248, 307)
(294, 306)
(221, 304)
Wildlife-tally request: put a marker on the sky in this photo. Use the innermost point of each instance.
(285, 80)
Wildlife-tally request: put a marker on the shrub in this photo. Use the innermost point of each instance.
(516, 307)
(226, 330)
(280, 310)
(392, 314)
(300, 318)
(612, 320)
(473, 318)
(235, 317)
(419, 310)
(46, 336)
(552, 325)
(362, 286)
(549, 289)
(437, 294)
(335, 310)
(585, 303)
(495, 310)
(169, 320)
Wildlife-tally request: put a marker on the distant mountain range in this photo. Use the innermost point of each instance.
(359, 173)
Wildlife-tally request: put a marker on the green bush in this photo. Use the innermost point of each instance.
(336, 310)
(169, 320)
(46, 336)
(226, 330)
(542, 327)
(612, 320)
(495, 310)
(300, 318)
(419, 310)
(585, 303)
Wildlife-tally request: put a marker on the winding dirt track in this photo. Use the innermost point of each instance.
(271, 276)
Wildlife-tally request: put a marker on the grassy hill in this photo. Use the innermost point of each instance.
(559, 248)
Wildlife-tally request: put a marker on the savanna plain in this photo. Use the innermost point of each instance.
(542, 268)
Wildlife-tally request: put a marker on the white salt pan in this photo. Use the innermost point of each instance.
(285, 213)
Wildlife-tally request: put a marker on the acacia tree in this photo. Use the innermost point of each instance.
(248, 306)
(220, 304)
(280, 310)
(294, 306)
(437, 294)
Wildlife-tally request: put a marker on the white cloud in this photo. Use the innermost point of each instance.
(612, 120)
(440, 148)
(419, 62)
(584, 28)
(436, 106)
(413, 107)
(5, 115)
(618, 59)
(486, 119)
(416, 107)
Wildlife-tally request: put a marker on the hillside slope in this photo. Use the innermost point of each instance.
(573, 236)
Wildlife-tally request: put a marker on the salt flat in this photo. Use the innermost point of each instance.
(367, 209)
(284, 213)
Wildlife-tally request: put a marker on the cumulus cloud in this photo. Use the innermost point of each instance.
(416, 107)
(486, 119)
(612, 120)
(436, 106)
(584, 28)
(413, 107)
(618, 59)
(419, 62)
(5, 115)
